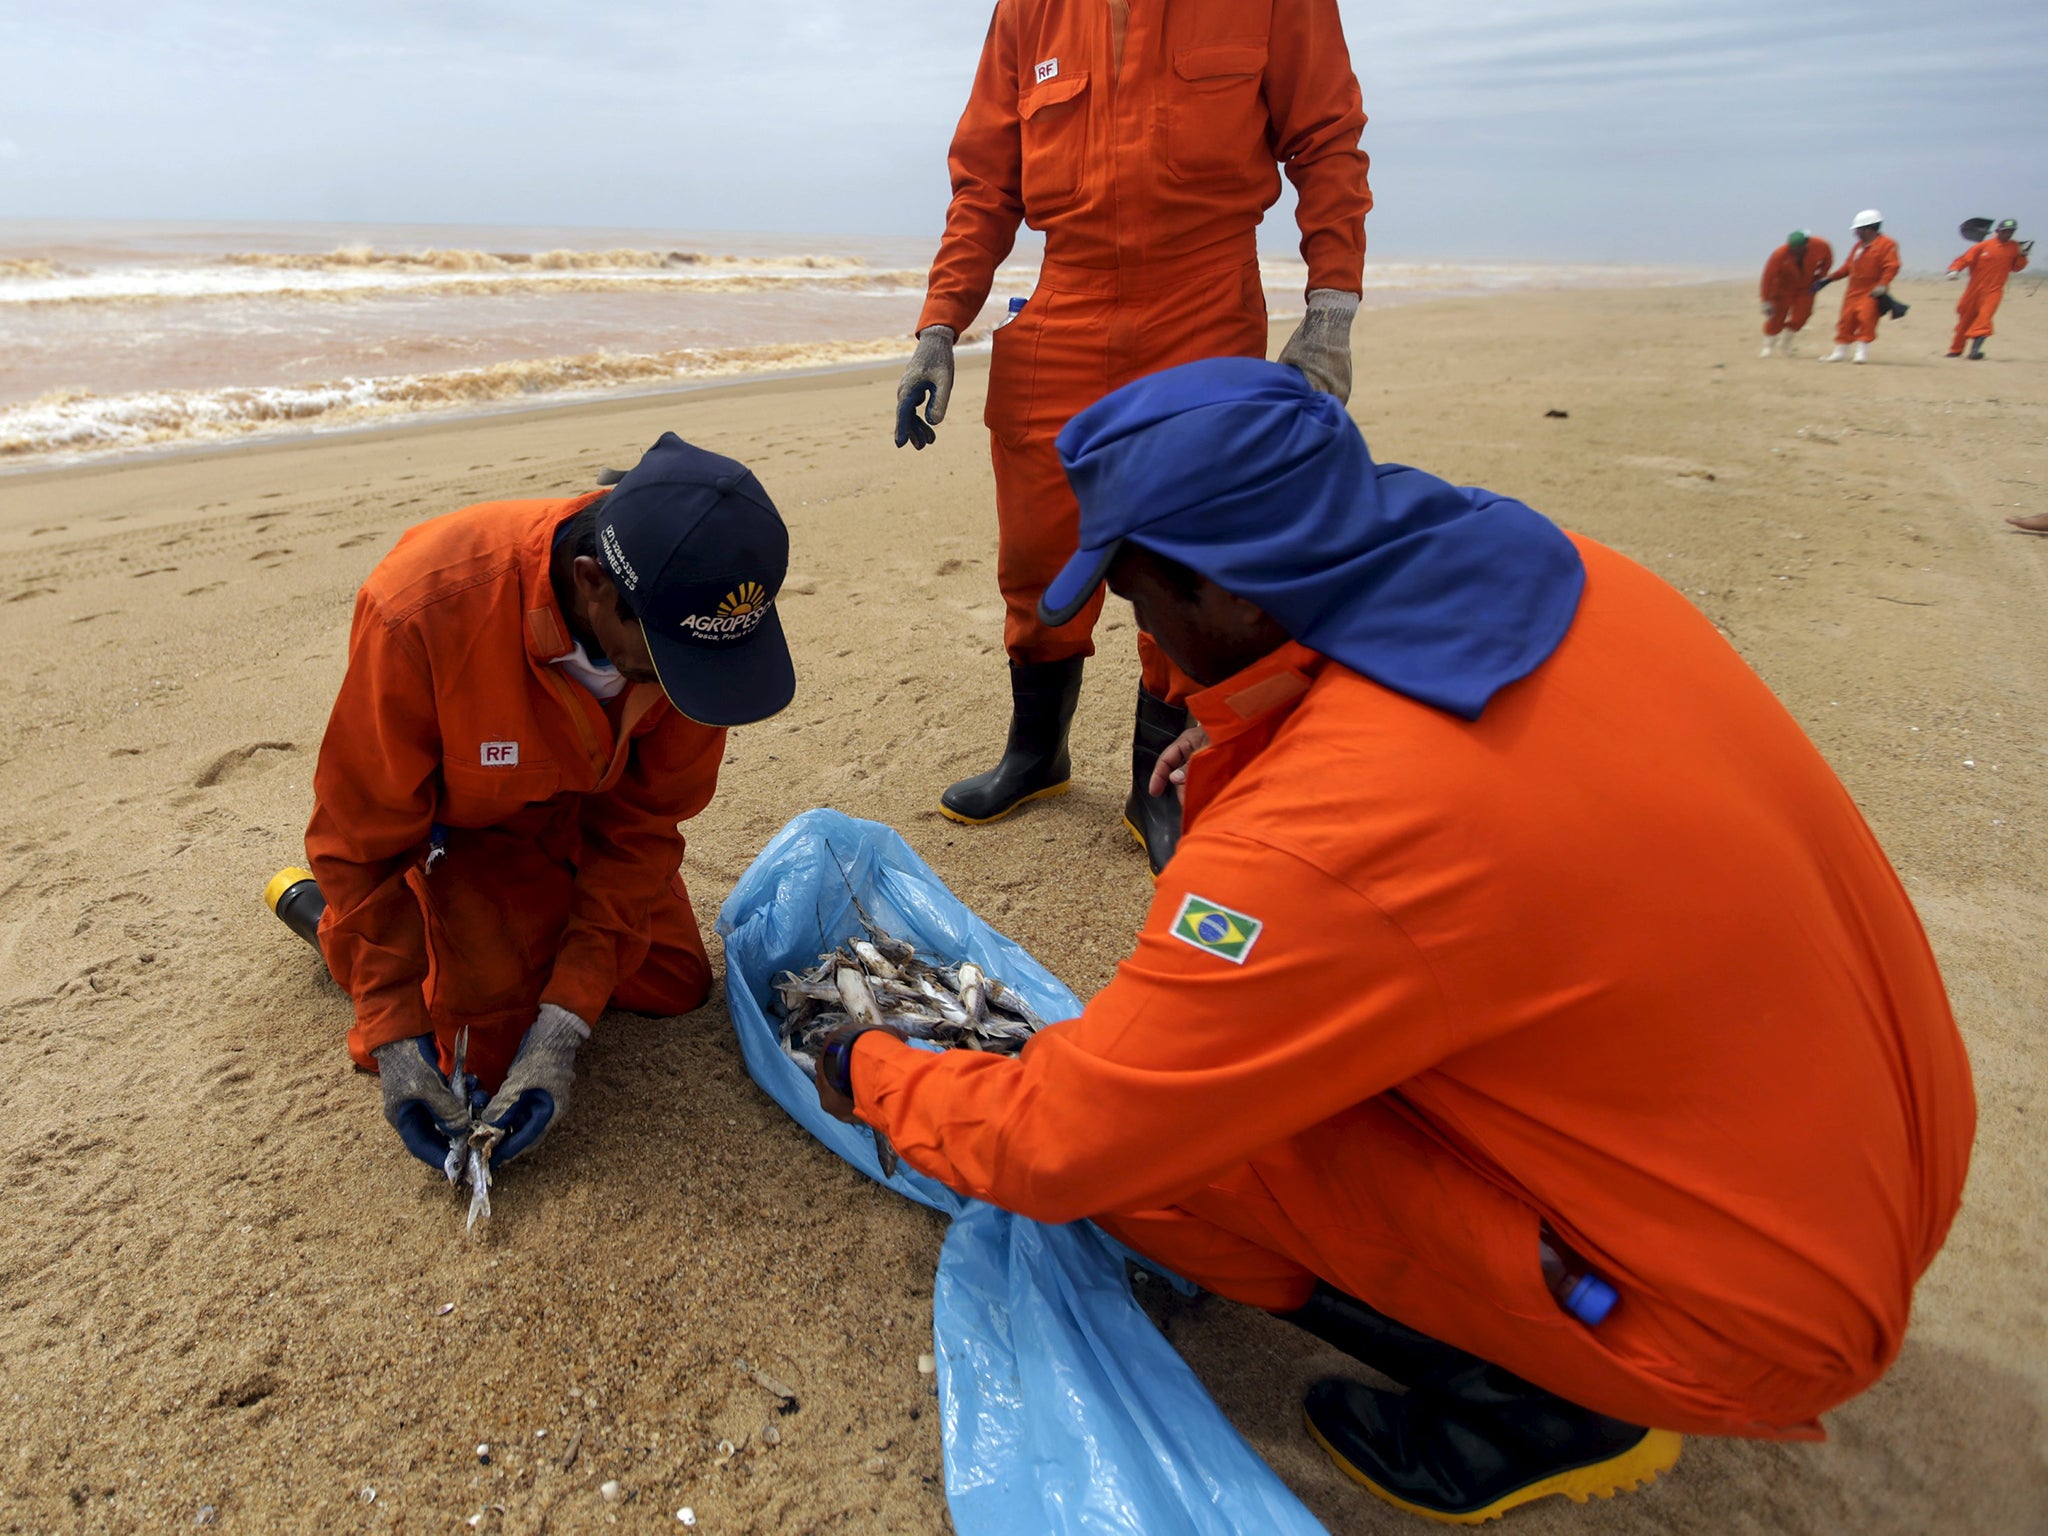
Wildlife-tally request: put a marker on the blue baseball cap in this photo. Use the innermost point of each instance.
(698, 553)
(1240, 471)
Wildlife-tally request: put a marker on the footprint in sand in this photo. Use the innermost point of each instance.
(361, 538)
(272, 556)
(243, 761)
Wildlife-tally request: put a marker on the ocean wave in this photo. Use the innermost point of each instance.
(357, 257)
(75, 423)
(26, 266)
(174, 285)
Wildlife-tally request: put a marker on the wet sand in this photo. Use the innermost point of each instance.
(225, 1284)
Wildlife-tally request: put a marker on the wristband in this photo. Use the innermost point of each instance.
(835, 1062)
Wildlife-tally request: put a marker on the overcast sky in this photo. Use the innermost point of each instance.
(1625, 129)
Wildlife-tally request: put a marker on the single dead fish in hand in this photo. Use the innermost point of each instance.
(469, 1150)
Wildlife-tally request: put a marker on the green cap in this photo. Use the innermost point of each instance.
(2008, 223)
(1797, 237)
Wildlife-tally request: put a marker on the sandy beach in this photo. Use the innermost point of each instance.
(224, 1285)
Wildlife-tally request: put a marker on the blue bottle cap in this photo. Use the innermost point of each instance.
(1016, 304)
(1591, 1300)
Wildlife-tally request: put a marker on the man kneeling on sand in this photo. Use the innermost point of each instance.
(1527, 1010)
(536, 695)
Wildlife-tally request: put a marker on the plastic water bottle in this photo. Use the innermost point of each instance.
(1016, 309)
(1582, 1294)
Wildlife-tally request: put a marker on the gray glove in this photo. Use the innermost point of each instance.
(418, 1102)
(1879, 291)
(929, 375)
(535, 1093)
(1321, 345)
(1769, 306)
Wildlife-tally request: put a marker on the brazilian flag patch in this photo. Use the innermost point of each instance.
(1215, 929)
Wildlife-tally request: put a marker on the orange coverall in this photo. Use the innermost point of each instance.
(1870, 264)
(560, 879)
(1788, 282)
(1148, 178)
(1620, 955)
(1990, 263)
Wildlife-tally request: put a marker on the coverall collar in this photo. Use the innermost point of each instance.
(548, 638)
(1239, 703)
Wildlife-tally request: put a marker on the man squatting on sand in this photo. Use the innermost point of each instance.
(1512, 912)
(1791, 278)
(537, 693)
(1145, 142)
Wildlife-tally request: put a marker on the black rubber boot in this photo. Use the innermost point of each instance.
(1154, 820)
(1393, 1349)
(1468, 1441)
(1468, 1449)
(1034, 765)
(296, 900)
(1976, 349)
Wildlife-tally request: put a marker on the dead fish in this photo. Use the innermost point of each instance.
(470, 1148)
(880, 980)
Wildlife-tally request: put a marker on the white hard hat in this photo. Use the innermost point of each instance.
(1866, 218)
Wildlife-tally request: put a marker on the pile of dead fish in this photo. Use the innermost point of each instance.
(883, 981)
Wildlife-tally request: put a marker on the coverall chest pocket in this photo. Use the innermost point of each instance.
(1053, 123)
(475, 796)
(1216, 120)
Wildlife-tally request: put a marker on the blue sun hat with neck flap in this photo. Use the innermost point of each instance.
(1239, 470)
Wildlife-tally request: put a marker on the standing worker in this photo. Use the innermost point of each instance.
(537, 693)
(1528, 1012)
(1146, 143)
(1871, 265)
(1989, 263)
(1788, 287)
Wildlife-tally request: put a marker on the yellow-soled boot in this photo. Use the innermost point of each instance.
(1467, 1449)
(295, 898)
(1034, 764)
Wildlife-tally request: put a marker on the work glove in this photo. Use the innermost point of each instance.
(1321, 345)
(1955, 277)
(1769, 306)
(422, 1108)
(1880, 293)
(535, 1093)
(928, 377)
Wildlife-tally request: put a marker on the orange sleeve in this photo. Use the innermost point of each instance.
(375, 787)
(1312, 96)
(1888, 267)
(2019, 260)
(631, 847)
(987, 163)
(1774, 278)
(1331, 1005)
(1963, 260)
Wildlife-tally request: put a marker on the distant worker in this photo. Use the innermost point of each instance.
(1871, 265)
(537, 693)
(1989, 263)
(1528, 1012)
(1788, 288)
(1145, 142)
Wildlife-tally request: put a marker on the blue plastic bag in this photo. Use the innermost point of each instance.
(1065, 1413)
